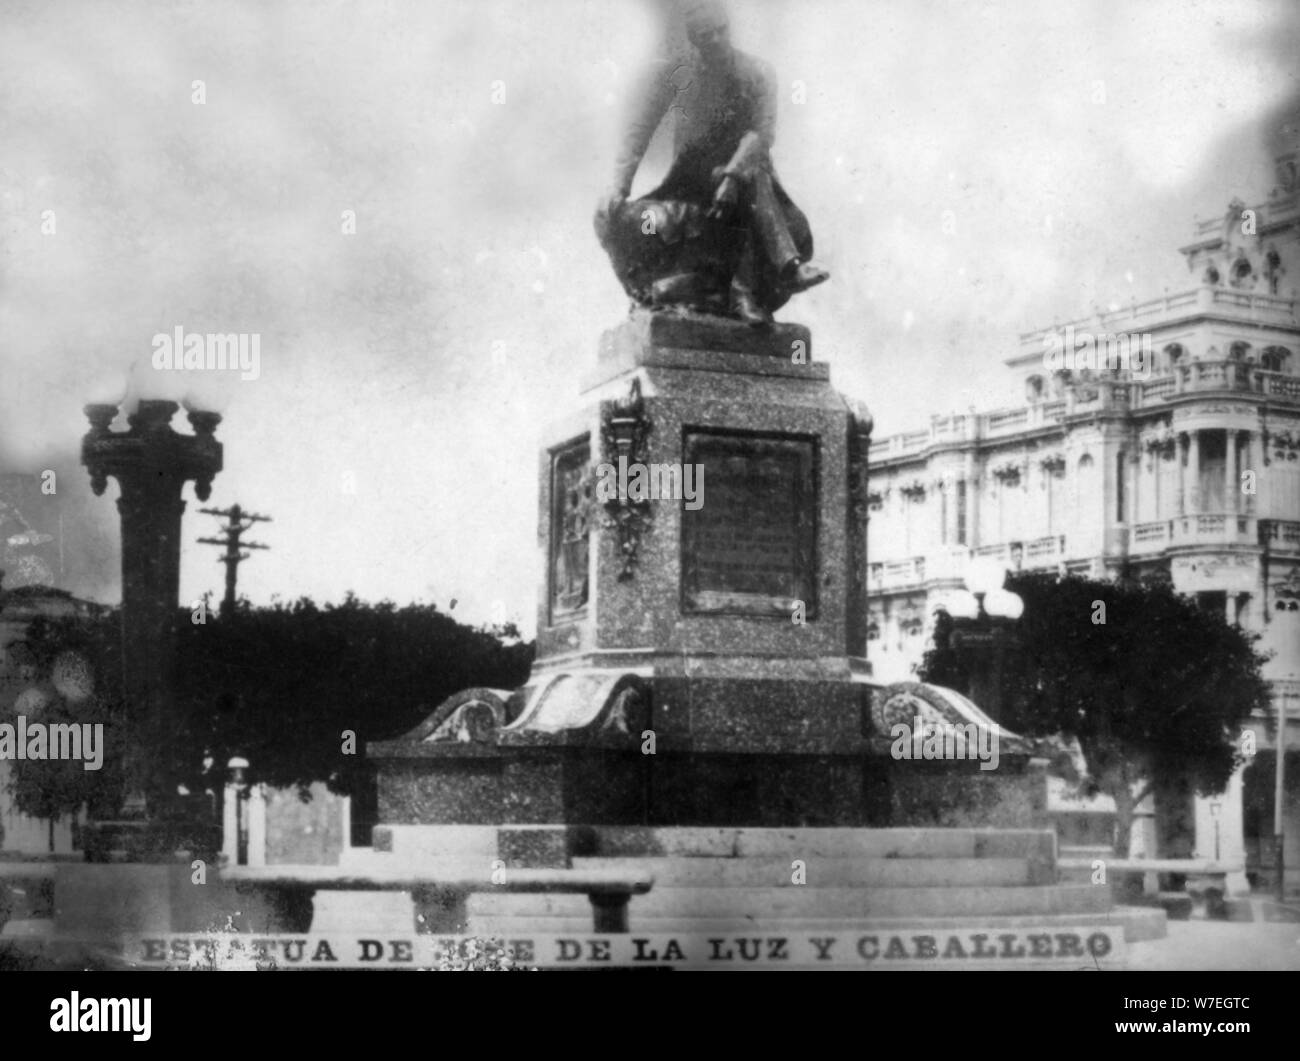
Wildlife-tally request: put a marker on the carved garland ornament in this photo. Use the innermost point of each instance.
(1007, 473)
(625, 430)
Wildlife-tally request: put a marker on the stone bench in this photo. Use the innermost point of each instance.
(1212, 877)
(439, 900)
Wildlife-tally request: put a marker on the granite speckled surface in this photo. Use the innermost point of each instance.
(757, 720)
(718, 390)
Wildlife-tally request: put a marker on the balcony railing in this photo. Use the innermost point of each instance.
(1280, 535)
(1093, 396)
(1151, 537)
(1218, 528)
(896, 574)
(1043, 552)
(1206, 299)
(1276, 385)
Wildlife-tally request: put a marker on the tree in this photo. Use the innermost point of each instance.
(278, 685)
(1154, 687)
(281, 685)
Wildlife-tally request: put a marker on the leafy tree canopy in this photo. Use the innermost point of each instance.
(280, 685)
(1152, 685)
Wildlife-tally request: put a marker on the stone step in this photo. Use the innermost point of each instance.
(1139, 924)
(765, 904)
(822, 872)
(815, 842)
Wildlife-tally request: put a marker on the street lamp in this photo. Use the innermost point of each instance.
(984, 595)
(989, 608)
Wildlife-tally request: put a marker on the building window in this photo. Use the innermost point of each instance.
(1213, 601)
(961, 512)
(1272, 358)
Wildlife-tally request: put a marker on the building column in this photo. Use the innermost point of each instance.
(1193, 472)
(1255, 459)
(972, 503)
(1180, 455)
(1232, 480)
(950, 490)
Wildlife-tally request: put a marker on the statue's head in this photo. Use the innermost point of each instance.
(708, 28)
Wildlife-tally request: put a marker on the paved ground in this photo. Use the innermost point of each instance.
(1266, 945)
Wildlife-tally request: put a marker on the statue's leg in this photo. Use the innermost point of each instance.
(769, 219)
(745, 302)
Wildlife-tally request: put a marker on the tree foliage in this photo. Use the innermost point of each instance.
(279, 685)
(1153, 686)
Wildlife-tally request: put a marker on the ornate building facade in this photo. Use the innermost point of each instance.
(1184, 465)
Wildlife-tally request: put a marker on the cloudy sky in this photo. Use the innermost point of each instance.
(418, 358)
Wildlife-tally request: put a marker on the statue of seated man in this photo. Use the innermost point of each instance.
(719, 234)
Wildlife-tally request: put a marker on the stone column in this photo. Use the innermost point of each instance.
(1255, 459)
(972, 502)
(1232, 481)
(1182, 456)
(1194, 472)
(950, 488)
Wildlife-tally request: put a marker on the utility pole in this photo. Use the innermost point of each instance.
(239, 522)
(1279, 798)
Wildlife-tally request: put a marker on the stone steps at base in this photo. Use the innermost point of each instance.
(765, 904)
(1139, 925)
(822, 872)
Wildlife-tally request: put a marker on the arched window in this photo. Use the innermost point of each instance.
(1242, 272)
(1239, 351)
(1273, 358)
(1034, 389)
(1174, 353)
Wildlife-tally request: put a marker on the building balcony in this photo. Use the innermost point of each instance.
(1098, 395)
(1280, 535)
(1034, 554)
(1200, 301)
(1213, 528)
(896, 574)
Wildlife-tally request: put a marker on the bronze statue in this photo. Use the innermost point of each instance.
(719, 235)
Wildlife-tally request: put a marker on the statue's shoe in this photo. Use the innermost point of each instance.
(803, 276)
(746, 310)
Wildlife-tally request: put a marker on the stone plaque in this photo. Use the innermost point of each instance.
(750, 548)
(571, 514)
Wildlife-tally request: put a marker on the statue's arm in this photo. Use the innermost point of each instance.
(654, 97)
(756, 145)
